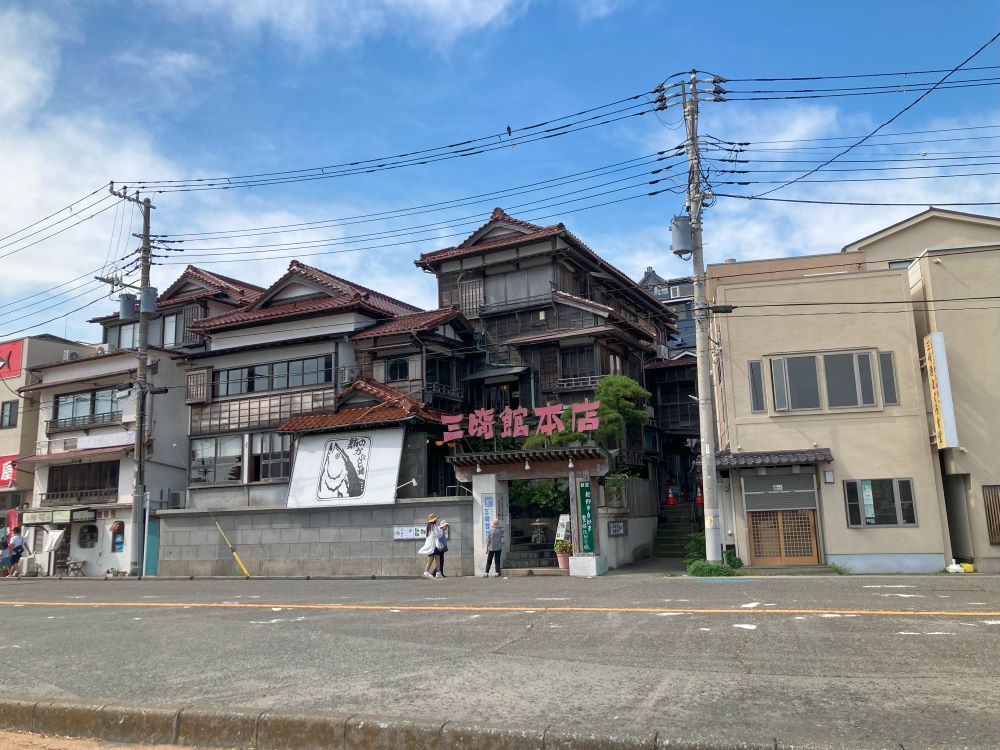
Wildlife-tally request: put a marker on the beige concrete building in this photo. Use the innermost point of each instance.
(954, 279)
(858, 403)
(19, 418)
(822, 422)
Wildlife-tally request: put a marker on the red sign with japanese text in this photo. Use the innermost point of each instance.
(10, 359)
(481, 422)
(8, 472)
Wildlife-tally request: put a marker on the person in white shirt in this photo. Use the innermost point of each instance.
(17, 547)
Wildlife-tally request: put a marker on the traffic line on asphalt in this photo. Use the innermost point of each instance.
(499, 608)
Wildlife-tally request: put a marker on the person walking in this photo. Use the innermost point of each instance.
(16, 546)
(441, 546)
(494, 547)
(430, 546)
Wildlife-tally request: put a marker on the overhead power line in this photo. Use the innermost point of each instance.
(856, 203)
(852, 75)
(886, 123)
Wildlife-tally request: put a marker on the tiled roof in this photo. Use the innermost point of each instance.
(215, 282)
(729, 460)
(348, 295)
(582, 301)
(375, 299)
(354, 416)
(535, 234)
(502, 216)
(421, 321)
(560, 333)
(457, 251)
(393, 406)
(292, 309)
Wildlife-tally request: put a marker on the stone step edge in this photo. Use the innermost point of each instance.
(206, 726)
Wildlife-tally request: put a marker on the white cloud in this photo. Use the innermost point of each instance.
(52, 159)
(312, 24)
(164, 78)
(29, 62)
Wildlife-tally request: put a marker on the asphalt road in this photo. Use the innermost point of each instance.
(855, 661)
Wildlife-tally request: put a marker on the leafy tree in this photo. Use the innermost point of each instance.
(622, 407)
(538, 498)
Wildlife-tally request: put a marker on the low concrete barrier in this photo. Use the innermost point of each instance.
(253, 729)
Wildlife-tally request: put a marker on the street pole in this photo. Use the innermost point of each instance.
(147, 302)
(706, 410)
(138, 499)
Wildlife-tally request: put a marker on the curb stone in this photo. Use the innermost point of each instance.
(256, 729)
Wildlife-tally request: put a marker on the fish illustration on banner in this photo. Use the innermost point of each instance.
(345, 468)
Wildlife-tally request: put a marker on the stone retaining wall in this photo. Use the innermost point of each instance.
(307, 542)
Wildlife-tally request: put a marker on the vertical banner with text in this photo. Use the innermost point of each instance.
(586, 519)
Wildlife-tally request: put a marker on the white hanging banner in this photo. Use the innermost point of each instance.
(344, 469)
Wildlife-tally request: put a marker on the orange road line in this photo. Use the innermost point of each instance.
(523, 609)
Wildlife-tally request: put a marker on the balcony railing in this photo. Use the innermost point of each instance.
(579, 383)
(83, 422)
(488, 308)
(48, 499)
(441, 389)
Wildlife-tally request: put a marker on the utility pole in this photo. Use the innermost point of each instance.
(706, 410)
(147, 305)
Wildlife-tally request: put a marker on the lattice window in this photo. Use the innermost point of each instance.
(797, 533)
(765, 535)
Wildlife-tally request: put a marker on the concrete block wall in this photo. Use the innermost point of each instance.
(301, 542)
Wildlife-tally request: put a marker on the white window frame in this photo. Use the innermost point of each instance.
(900, 523)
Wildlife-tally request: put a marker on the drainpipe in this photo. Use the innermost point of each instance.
(336, 367)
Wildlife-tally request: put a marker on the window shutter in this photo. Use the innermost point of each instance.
(991, 502)
(197, 386)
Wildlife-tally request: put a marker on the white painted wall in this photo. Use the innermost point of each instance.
(283, 330)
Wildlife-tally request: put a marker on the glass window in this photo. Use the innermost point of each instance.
(841, 385)
(169, 330)
(295, 374)
(87, 537)
(279, 371)
(778, 380)
(260, 378)
(756, 387)
(98, 479)
(867, 386)
(270, 457)
(216, 460)
(880, 502)
(887, 372)
(8, 414)
(127, 336)
(397, 369)
(439, 371)
(803, 386)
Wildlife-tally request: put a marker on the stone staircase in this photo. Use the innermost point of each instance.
(676, 524)
(524, 554)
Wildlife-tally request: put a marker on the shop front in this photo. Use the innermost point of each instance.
(77, 541)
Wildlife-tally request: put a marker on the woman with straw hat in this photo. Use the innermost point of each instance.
(430, 546)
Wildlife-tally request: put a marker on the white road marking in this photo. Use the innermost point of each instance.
(275, 621)
(800, 617)
(751, 605)
(436, 598)
(904, 596)
(397, 611)
(559, 599)
(275, 609)
(991, 622)
(746, 627)
(770, 605)
(934, 632)
(668, 614)
(890, 586)
(705, 629)
(830, 614)
(136, 618)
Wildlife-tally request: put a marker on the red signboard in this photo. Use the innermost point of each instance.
(13, 518)
(10, 359)
(8, 472)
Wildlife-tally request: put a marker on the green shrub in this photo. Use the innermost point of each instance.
(562, 547)
(732, 560)
(695, 548)
(840, 570)
(706, 568)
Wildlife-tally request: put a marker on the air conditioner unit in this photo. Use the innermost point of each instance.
(175, 500)
(69, 355)
(104, 348)
(348, 374)
(662, 352)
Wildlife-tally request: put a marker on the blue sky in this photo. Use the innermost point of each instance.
(110, 90)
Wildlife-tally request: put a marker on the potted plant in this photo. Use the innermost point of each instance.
(563, 550)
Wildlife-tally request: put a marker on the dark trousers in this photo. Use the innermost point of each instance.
(440, 556)
(492, 555)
